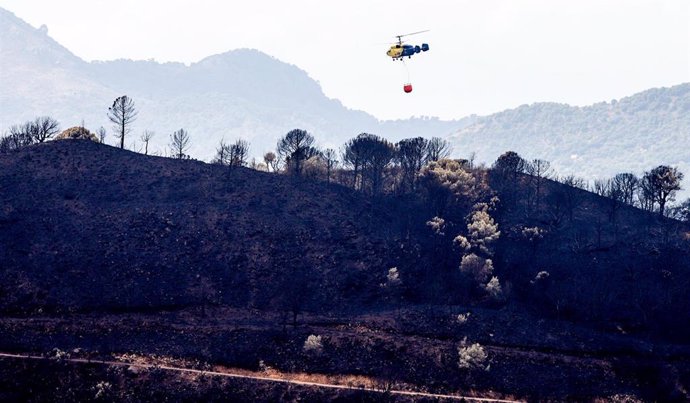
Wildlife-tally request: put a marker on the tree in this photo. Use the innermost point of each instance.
(411, 155)
(330, 158)
(221, 153)
(295, 148)
(269, 159)
(378, 154)
(233, 155)
(569, 196)
(447, 180)
(19, 136)
(628, 184)
(179, 143)
(146, 136)
(437, 149)
(508, 168)
(101, 134)
(353, 156)
(663, 181)
(539, 171)
(600, 187)
(43, 128)
(645, 194)
(237, 153)
(122, 114)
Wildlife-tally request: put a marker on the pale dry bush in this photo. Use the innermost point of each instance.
(532, 234)
(313, 345)
(541, 277)
(493, 288)
(462, 318)
(314, 167)
(451, 175)
(462, 243)
(77, 132)
(393, 277)
(481, 269)
(437, 224)
(482, 230)
(471, 356)
(102, 389)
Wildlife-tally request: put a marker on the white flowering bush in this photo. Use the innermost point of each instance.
(532, 234)
(313, 345)
(462, 243)
(451, 175)
(462, 318)
(102, 389)
(472, 356)
(58, 355)
(482, 230)
(481, 269)
(493, 288)
(393, 277)
(541, 277)
(437, 224)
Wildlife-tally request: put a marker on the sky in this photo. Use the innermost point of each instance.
(486, 55)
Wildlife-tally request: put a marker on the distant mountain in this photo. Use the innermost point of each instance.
(242, 93)
(248, 94)
(632, 134)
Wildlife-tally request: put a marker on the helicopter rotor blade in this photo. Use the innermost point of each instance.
(413, 33)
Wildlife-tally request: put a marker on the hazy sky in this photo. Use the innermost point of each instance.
(485, 55)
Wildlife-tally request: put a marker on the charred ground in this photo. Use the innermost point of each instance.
(112, 251)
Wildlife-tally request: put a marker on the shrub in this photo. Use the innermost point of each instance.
(313, 345)
(462, 318)
(472, 356)
(437, 224)
(493, 287)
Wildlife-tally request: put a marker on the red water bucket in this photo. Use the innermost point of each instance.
(407, 88)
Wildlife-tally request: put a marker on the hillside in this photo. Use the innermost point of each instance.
(145, 227)
(633, 134)
(105, 252)
(238, 94)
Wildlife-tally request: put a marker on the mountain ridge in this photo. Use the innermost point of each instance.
(632, 134)
(240, 93)
(244, 93)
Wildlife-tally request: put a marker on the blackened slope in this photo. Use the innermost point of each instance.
(83, 225)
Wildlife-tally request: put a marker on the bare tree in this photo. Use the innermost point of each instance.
(573, 193)
(101, 134)
(437, 149)
(43, 128)
(540, 170)
(628, 184)
(122, 114)
(601, 187)
(179, 143)
(146, 136)
(330, 158)
(221, 153)
(237, 154)
(295, 148)
(269, 159)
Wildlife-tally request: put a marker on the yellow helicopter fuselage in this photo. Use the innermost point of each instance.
(398, 51)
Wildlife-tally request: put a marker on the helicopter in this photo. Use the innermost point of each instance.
(400, 49)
